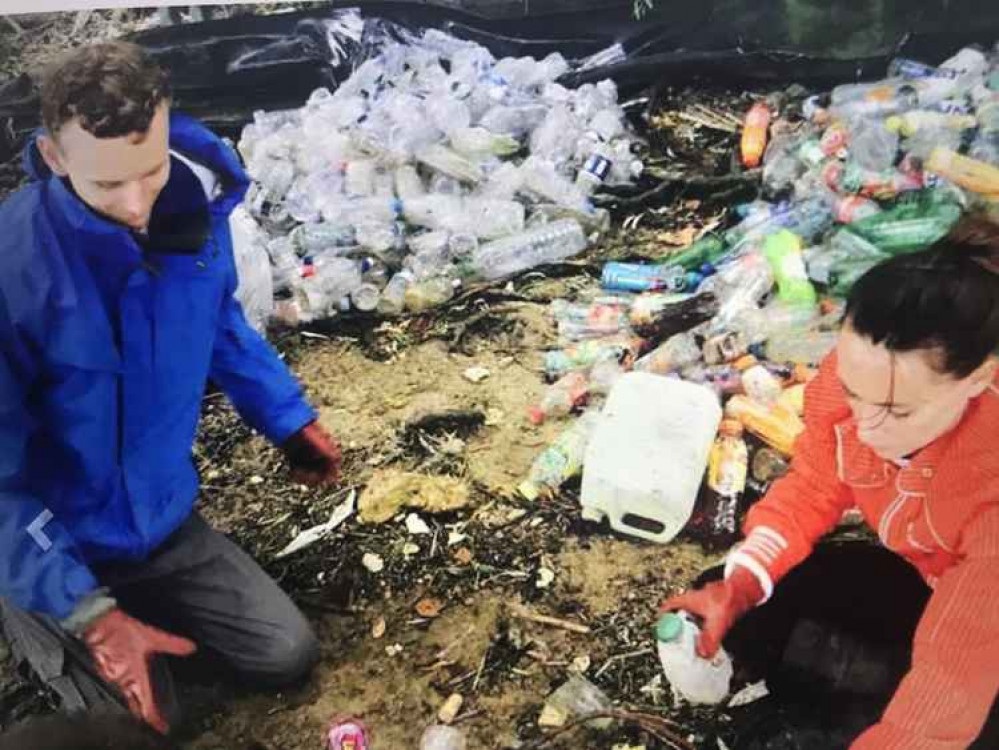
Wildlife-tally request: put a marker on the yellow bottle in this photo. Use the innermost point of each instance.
(970, 174)
(777, 427)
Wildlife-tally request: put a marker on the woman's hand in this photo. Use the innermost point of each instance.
(720, 604)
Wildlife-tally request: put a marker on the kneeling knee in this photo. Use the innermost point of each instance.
(289, 658)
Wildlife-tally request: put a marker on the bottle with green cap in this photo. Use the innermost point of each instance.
(698, 680)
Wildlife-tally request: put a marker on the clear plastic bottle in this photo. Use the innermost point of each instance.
(872, 144)
(408, 184)
(560, 461)
(561, 397)
(672, 355)
(587, 321)
(429, 293)
(393, 297)
(759, 383)
(544, 244)
(449, 162)
(698, 680)
(325, 283)
(286, 263)
(540, 178)
(323, 237)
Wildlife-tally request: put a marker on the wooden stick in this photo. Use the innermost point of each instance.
(521, 613)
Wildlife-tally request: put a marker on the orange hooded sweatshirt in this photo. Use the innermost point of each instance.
(941, 513)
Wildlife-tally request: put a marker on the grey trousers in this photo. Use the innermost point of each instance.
(199, 585)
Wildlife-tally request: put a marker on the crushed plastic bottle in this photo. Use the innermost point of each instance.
(970, 174)
(700, 681)
(600, 318)
(561, 397)
(589, 352)
(674, 354)
(642, 277)
(560, 461)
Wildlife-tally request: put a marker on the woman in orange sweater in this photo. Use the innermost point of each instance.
(902, 423)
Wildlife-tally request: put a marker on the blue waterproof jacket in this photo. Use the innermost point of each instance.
(105, 351)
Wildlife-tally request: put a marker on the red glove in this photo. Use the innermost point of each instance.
(122, 648)
(314, 456)
(720, 604)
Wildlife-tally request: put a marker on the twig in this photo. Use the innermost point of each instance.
(523, 614)
(478, 674)
(621, 657)
(669, 180)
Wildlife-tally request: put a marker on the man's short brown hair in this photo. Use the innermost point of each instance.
(112, 88)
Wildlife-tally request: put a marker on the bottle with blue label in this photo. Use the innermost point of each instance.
(642, 277)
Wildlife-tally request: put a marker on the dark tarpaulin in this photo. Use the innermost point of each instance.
(224, 70)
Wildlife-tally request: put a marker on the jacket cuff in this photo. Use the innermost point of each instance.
(758, 554)
(290, 423)
(91, 608)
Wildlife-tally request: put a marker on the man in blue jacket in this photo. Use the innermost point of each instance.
(116, 309)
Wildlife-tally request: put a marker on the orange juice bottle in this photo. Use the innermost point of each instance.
(754, 134)
(777, 427)
(971, 174)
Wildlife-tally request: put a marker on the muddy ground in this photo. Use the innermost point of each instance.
(396, 394)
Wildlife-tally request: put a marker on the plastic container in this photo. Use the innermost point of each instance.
(759, 383)
(626, 478)
(440, 737)
(578, 697)
(702, 681)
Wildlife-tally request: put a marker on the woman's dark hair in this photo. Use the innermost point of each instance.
(944, 298)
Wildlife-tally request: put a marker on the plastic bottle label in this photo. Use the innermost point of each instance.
(598, 167)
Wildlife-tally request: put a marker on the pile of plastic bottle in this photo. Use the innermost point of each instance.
(870, 171)
(434, 163)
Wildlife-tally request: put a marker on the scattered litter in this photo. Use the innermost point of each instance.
(463, 556)
(455, 537)
(378, 628)
(416, 525)
(581, 664)
(450, 709)
(373, 563)
(429, 608)
(577, 697)
(477, 374)
(310, 536)
(255, 480)
(545, 578)
(749, 694)
(390, 490)
(410, 548)
(394, 650)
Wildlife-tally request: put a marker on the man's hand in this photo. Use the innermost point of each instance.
(122, 648)
(720, 604)
(314, 456)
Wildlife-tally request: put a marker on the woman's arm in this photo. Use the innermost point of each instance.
(945, 698)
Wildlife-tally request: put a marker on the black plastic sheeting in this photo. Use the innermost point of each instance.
(225, 70)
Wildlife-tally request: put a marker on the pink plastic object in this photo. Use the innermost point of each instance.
(348, 735)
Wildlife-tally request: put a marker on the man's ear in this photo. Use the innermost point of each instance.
(980, 380)
(52, 155)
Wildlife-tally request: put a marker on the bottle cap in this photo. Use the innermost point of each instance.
(669, 627)
(536, 415)
(730, 428)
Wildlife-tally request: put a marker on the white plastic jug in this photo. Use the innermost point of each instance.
(648, 454)
(696, 679)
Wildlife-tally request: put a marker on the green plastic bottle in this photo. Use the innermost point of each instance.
(783, 252)
(914, 224)
(709, 249)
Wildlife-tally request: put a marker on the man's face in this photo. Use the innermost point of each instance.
(900, 402)
(120, 178)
